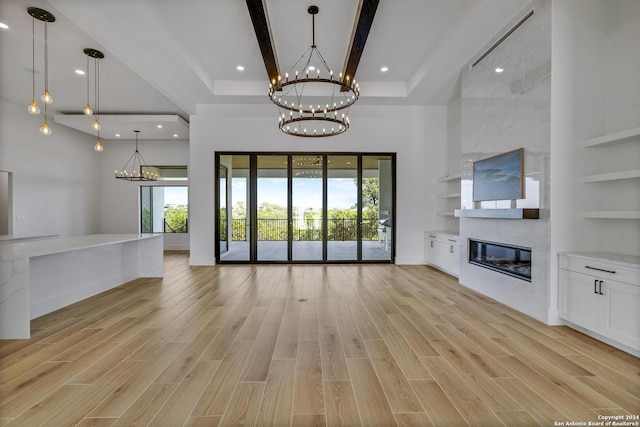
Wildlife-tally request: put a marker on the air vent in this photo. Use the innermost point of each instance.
(503, 38)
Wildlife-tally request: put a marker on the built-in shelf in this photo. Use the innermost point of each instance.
(611, 214)
(448, 178)
(612, 176)
(448, 196)
(614, 138)
(517, 213)
(444, 213)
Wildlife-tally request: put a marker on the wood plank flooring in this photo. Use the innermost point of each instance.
(372, 345)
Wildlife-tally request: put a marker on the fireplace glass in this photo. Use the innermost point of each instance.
(506, 259)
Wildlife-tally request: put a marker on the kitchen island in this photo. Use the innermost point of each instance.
(41, 276)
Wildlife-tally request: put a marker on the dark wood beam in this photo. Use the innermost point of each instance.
(366, 12)
(260, 21)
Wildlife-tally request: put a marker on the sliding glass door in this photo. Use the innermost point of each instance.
(272, 224)
(307, 212)
(304, 207)
(343, 217)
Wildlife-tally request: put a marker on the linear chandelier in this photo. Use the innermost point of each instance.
(138, 165)
(313, 102)
(96, 55)
(33, 108)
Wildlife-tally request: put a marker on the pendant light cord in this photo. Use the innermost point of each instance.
(33, 57)
(97, 80)
(46, 58)
(88, 80)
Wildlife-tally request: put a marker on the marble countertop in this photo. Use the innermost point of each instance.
(64, 244)
(13, 239)
(622, 260)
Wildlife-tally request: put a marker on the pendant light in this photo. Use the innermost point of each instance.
(88, 111)
(139, 170)
(33, 108)
(46, 17)
(97, 56)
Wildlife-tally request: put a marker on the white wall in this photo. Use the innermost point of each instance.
(416, 134)
(55, 179)
(120, 199)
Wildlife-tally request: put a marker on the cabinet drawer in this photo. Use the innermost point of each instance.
(600, 268)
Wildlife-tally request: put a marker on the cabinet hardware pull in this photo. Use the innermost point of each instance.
(451, 240)
(595, 286)
(433, 237)
(600, 288)
(450, 249)
(600, 269)
(432, 243)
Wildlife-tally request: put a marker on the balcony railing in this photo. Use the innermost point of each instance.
(276, 229)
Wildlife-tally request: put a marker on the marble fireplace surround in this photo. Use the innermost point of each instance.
(502, 112)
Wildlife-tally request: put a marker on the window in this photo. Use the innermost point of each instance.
(167, 173)
(164, 209)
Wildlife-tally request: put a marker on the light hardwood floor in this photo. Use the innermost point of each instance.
(371, 345)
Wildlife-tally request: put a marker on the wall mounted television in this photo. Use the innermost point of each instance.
(499, 177)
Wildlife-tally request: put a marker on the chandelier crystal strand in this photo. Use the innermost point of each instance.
(327, 118)
(33, 107)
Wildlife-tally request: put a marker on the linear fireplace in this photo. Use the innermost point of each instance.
(506, 259)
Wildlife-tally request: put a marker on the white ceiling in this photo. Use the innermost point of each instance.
(164, 57)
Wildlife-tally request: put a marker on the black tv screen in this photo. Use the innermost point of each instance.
(499, 177)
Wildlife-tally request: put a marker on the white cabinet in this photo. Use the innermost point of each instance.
(600, 292)
(442, 250)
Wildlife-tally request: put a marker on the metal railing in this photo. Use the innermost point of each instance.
(276, 229)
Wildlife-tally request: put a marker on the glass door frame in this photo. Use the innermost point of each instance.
(253, 189)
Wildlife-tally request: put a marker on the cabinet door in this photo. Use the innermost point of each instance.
(441, 254)
(579, 300)
(620, 312)
(429, 251)
(454, 259)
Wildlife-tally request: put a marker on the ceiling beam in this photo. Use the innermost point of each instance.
(366, 12)
(260, 21)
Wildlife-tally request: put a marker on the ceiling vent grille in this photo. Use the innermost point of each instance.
(510, 31)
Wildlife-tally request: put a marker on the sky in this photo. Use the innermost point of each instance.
(307, 192)
(175, 196)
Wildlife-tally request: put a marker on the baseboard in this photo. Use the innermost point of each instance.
(71, 296)
(416, 260)
(176, 247)
(599, 337)
(201, 261)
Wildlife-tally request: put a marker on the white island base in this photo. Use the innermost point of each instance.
(39, 277)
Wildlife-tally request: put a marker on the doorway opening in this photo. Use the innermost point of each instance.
(305, 207)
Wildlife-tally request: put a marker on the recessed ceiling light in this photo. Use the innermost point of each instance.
(159, 126)
(240, 68)
(499, 70)
(117, 135)
(312, 68)
(175, 135)
(80, 72)
(384, 69)
(4, 26)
